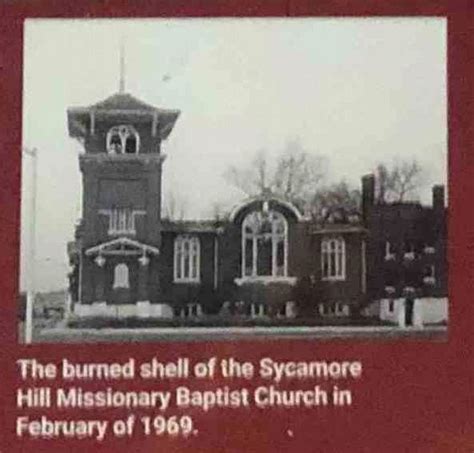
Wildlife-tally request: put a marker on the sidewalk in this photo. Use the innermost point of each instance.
(68, 335)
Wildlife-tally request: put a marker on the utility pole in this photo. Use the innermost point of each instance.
(31, 292)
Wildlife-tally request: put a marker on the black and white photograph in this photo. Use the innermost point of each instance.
(232, 179)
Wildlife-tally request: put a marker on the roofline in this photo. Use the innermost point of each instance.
(142, 112)
(184, 230)
(339, 230)
(190, 226)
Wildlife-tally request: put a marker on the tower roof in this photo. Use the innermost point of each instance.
(123, 101)
(122, 107)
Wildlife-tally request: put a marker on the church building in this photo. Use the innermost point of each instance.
(265, 258)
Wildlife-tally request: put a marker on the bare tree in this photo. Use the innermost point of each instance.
(294, 176)
(339, 202)
(298, 174)
(174, 206)
(399, 182)
(253, 179)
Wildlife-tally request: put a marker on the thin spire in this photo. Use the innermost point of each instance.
(122, 68)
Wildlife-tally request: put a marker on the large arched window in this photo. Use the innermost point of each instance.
(333, 259)
(123, 139)
(186, 259)
(264, 244)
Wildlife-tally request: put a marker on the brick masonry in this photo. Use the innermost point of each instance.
(131, 182)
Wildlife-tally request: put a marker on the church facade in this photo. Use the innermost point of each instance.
(264, 259)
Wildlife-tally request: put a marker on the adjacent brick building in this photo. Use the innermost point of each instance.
(264, 258)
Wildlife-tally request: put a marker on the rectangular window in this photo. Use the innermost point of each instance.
(121, 220)
(333, 259)
(187, 259)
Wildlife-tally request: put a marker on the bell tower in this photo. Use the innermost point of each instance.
(119, 237)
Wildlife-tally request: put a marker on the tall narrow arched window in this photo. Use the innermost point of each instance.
(187, 252)
(333, 259)
(121, 276)
(264, 244)
(123, 139)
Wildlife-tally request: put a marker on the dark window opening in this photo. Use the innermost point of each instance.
(429, 271)
(280, 258)
(391, 305)
(123, 139)
(264, 259)
(409, 247)
(248, 257)
(131, 145)
(115, 144)
(282, 310)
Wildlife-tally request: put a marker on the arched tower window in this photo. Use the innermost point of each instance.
(123, 139)
(187, 259)
(333, 259)
(121, 276)
(264, 244)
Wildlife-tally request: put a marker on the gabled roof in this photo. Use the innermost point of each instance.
(122, 244)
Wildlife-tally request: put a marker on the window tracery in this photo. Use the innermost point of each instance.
(264, 244)
(187, 259)
(333, 259)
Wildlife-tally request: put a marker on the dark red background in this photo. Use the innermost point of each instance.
(415, 396)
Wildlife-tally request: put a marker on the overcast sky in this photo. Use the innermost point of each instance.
(358, 91)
